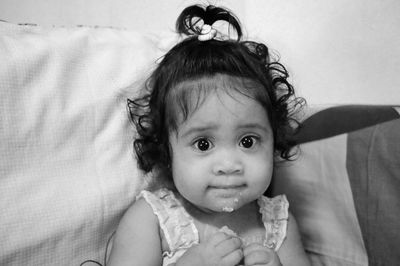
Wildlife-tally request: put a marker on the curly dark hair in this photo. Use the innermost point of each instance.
(155, 113)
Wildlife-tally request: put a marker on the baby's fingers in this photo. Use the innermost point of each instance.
(233, 258)
(254, 247)
(256, 254)
(217, 238)
(228, 246)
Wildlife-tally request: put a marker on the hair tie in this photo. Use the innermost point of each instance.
(207, 33)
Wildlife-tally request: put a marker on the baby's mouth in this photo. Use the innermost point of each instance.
(227, 191)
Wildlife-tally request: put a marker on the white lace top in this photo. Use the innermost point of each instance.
(181, 233)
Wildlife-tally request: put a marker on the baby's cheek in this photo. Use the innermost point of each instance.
(260, 176)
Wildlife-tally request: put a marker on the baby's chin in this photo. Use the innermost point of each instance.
(222, 204)
(230, 204)
(225, 206)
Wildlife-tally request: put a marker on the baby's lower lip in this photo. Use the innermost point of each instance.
(227, 190)
(228, 186)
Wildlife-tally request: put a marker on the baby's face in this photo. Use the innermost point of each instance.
(222, 154)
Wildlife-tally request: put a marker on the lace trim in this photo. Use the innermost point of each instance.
(178, 227)
(181, 233)
(275, 214)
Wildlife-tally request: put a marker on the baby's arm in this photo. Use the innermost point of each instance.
(292, 252)
(137, 240)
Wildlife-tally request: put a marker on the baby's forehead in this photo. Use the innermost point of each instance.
(191, 93)
(187, 96)
(224, 115)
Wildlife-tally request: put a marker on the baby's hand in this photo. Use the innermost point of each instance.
(257, 254)
(220, 249)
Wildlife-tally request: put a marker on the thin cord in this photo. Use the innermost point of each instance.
(92, 261)
(107, 246)
(105, 254)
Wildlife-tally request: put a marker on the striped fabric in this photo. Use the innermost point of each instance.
(345, 185)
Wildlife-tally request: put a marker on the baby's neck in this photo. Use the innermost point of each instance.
(240, 221)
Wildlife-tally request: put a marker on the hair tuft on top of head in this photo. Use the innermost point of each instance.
(193, 17)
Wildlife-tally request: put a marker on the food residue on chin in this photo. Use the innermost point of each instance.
(227, 209)
(231, 208)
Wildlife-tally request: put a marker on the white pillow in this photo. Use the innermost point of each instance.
(67, 168)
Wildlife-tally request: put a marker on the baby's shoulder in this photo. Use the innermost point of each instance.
(138, 223)
(139, 212)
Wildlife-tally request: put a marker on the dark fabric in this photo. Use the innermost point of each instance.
(342, 119)
(373, 165)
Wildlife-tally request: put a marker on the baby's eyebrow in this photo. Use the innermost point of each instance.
(198, 129)
(254, 126)
(210, 127)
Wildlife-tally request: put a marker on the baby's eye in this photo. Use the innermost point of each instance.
(203, 144)
(248, 142)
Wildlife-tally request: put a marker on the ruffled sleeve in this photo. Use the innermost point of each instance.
(178, 227)
(275, 214)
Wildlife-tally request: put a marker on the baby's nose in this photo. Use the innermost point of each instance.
(228, 165)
